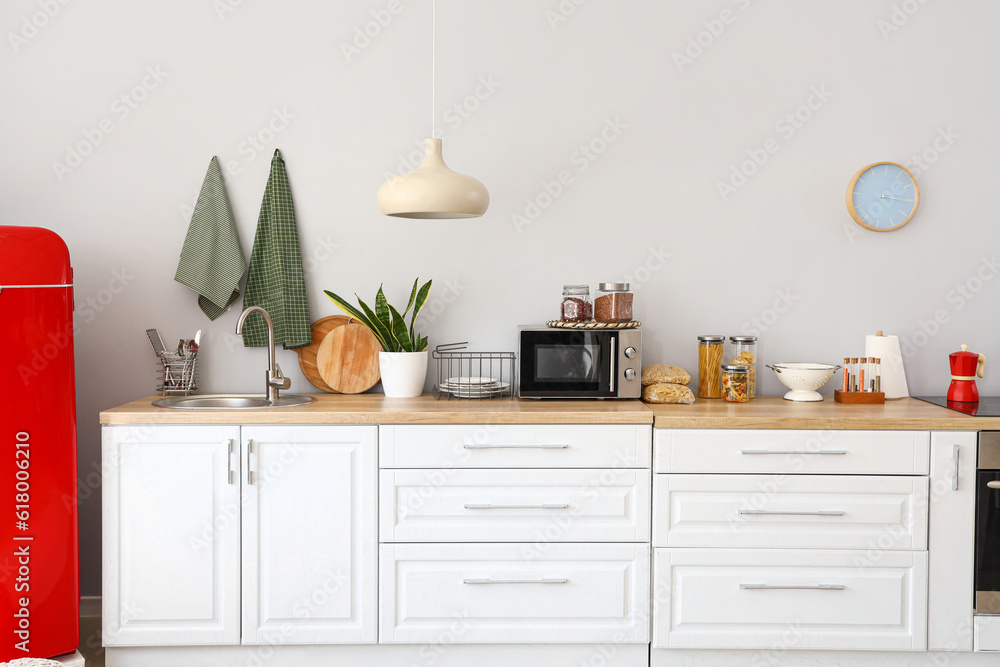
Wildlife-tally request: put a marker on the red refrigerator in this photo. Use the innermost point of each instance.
(39, 563)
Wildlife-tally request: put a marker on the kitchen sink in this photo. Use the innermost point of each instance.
(230, 401)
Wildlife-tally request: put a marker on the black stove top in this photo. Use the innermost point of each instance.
(988, 406)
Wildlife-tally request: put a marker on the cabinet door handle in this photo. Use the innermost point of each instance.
(993, 485)
(249, 462)
(817, 587)
(535, 506)
(538, 446)
(827, 452)
(231, 477)
(954, 455)
(796, 513)
(544, 580)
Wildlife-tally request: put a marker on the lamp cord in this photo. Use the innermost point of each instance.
(433, 64)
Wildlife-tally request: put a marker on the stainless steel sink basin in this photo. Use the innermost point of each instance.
(230, 401)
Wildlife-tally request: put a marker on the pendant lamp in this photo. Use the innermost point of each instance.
(432, 190)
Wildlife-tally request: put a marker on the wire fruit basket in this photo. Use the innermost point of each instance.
(473, 375)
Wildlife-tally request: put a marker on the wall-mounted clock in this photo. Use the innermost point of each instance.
(883, 196)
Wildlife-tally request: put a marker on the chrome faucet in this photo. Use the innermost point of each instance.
(275, 380)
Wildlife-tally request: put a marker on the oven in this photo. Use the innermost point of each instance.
(988, 524)
(579, 363)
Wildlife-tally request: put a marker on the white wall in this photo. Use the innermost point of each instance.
(557, 85)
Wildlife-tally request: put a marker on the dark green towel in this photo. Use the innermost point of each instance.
(276, 282)
(212, 261)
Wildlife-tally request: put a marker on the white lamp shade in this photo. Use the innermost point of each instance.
(433, 191)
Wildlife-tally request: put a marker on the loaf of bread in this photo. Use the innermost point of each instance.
(667, 392)
(657, 373)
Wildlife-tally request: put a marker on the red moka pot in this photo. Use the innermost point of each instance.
(39, 564)
(965, 368)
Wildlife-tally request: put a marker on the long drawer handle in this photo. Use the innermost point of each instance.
(539, 446)
(993, 485)
(793, 513)
(536, 506)
(817, 587)
(827, 452)
(544, 580)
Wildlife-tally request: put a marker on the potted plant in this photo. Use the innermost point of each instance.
(403, 359)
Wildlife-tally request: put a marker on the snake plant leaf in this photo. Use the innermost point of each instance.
(399, 331)
(350, 310)
(413, 294)
(378, 327)
(421, 344)
(421, 299)
(382, 307)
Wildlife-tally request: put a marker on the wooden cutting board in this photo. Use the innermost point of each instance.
(307, 354)
(348, 359)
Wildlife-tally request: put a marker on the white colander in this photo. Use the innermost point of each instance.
(803, 379)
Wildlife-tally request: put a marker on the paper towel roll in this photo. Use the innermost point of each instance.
(886, 349)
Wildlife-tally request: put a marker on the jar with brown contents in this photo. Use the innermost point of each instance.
(709, 361)
(614, 303)
(576, 306)
(743, 352)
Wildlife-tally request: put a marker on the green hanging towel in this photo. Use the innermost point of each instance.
(212, 261)
(276, 281)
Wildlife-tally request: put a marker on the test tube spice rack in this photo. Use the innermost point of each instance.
(862, 382)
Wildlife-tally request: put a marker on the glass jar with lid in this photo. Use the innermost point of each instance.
(613, 303)
(735, 383)
(576, 305)
(743, 352)
(710, 349)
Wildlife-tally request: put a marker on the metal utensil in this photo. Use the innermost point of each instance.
(154, 339)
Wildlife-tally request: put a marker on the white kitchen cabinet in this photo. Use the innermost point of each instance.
(800, 511)
(756, 598)
(171, 535)
(952, 541)
(180, 501)
(495, 593)
(309, 534)
(514, 505)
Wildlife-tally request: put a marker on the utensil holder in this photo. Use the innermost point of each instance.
(461, 374)
(177, 375)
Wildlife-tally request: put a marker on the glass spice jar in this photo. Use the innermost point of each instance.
(613, 303)
(743, 352)
(709, 359)
(576, 306)
(735, 383)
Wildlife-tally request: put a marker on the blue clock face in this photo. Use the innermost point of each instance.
(883, 197)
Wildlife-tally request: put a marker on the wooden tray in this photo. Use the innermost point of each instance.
(307, 354)
(559, 324)
(858, 397)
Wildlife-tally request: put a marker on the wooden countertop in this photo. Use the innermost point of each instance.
(906, 414)
(377, 409)
(763, 412)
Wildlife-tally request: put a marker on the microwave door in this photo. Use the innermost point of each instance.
(564, 364)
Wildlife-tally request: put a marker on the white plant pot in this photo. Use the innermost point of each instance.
(403, 373)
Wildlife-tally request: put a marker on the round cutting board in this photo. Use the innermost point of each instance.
(348, 359)
(307, 354)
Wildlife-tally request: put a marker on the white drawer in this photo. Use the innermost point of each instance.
(490, 593)
(745, 451)
(814, 511)
(798, 599)
(535, 506)
(515, 446)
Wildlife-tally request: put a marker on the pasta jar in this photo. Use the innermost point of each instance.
(735, 383)
(709, 360)
(576, 306)
(743, 352)
(613, 303)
